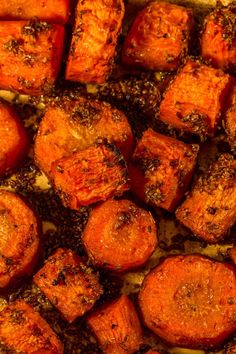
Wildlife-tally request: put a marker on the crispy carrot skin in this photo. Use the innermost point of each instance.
(194, 100)
(117, 327)
(19, 239)
(75, 125)
(210, 209)
(54, 11)
(13, 137)
(161, 169)
(90, 176)
(30, 55)
(230, 117)
(98, 23)
(125, 230)
(68, 283)
(218, 41)
(158, 38)
(189, 301)
(23, 330)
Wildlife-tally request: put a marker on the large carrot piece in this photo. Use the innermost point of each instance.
(90, 176)
(74, 125)
(98, 23)
(68, 283)
(189, 301)
(54, 11)
(23, 330)
(210, 209)
(13, 137)
(194, 100)
(117, 327)
(122, 228)
(19, 239)
(161, 169)
(30, 55)
(159, 36)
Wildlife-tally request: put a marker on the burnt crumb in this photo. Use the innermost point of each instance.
(147, 164)
(123, 218)
(17, 317)
(212, 210)
(7, 260)
(85, 113)
(14, 45)
(153, 193)
(174, 163)
(36, 331)
(24, 82)
(226, 18)
(197, 122)
(60, 280)
(35, 27)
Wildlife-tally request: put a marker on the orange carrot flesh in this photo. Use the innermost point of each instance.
(230, 117)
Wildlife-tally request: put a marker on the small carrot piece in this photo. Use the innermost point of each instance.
(159, 36)
(210, 209)
(68, 283)
(23, 330)
(230, 117)
(19, 239)
(161, 169)
(117, 327)
(98, 23)
(30, 55)
(13, 137)
(190, 301)
(125, 230)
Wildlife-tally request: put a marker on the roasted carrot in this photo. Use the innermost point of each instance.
(232, 253)
(117, 327)
(19, 239)
(158, 38)
(161, 169)
(75, 125)
(13, 137)
(54, 11)
(68, 283)
(190, 301)
(23, 330)
(90, 176)
(230, 117)
(125, 230)
(98, 23)
(218, 41)
(30, 55)
(210, 209)
(194, 100)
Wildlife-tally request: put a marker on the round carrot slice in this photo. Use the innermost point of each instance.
(190, 301)
(119, 235)
(13, 138)
(19, 238)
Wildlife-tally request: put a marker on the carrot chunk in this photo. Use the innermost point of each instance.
(230, 117)
(91, 175)
(117, 327)
(210, 208)
(13, 137)
(98, 23)
(194, 100)
(54, 11)
(30, 55)
(23, 330)
(68, 283)
(125, 230)
(218, 41)
(75, 125)
(158, 38)
(19, 239)
(190, 301)
(161, 169)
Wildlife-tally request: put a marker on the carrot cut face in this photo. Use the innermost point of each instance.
(30, 55)
(210, 209)
(54, 11)
(190, 301)
(19, 239)
(161, 169)
(218, 41)
(125, 230)
(75, 125)
(117, 327)
(68, 283)
(23, 330)
(158, 38)
(98, 23)
(90, 176)
(194, 100)
(13, 137)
